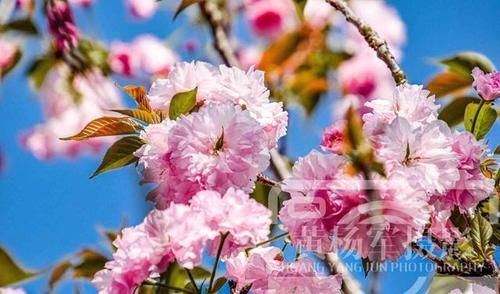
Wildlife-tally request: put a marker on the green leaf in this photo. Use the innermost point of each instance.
(261, 193)
(106, 126)
(23, 25)
(142, 115)
(485, 120)
(185, 4)
(120, 154)
(58, 273)
(458, 220)
(464, 62)
(38, 70)
(218, 284)
(11, 272)
(497, 150)
(480, 235)
(448, 83)
(453, 113)
(91, 262)
(182, 103)
(9, 67)
(95, 54)
(299, 7)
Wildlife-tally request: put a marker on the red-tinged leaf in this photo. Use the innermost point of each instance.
(107, 126)
(9, 67)
(120, 154)
(58, 273)
(142, 115)
(453, 112)
(10, 271)
(185, 4)
(448, 83)
(91, 262)
(139, 94)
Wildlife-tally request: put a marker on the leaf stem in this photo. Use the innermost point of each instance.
(272, 239)
(474, 121)
(216, 263)
(191, 278)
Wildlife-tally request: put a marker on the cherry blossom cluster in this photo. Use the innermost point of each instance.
(224, 144)
(181, 232)
(429, 169)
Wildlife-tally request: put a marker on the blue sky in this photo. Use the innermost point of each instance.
(49, 210)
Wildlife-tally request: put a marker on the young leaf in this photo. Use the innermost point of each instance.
(120, 154)
(447, 83)
(485, 119)
(23, 25)
(106, 126)
(91, 262)
(140, 96)
(145, 116)
(185, 4)
(219, 283)
(10, 271)
(497, 150)
(58, 273)
(182, 103)
(453, 112)
(480, 235)
(299, 7)
(38, 70)
(464, 62)
(15, 60)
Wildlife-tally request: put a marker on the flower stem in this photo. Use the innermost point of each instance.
(216, 263)
(474, 121)
(191, 278)
(272, 239)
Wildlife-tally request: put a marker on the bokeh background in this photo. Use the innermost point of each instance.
(50, 209)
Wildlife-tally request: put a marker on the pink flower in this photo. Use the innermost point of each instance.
(124, 59)
(266, 271)
(219, 147)
(472, 186)
(62, 25)
(269, 18)
(12, 291)
(142, 9)
(82, 3)
(64, 117)
(155, 57)
(333, 138)
(317, 13)
(184, 77)
(249, 56)
(411, 102)
(486, 85)
(423, 153)
(26, 5)
(441, 225)
(8, 52)
(245, 220)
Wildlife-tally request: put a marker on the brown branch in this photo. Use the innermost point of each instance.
(373, 39)
(265, 180)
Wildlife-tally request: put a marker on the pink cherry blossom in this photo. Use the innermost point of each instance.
(269, 18)
(424, 153)
(317, 13)
(155, 57)
(65, 117)
(142, 9)
(82, 3)
(266, 271)
(487, 85)
(333, 138)
(8, 51)
(441, 226)
(245, 220)
(411, 102)
(219, 147)
(62, 25)
(473, 186)
(124, 59)
(249, 56)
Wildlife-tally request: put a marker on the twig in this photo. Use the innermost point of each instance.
(349, 285)
(373, 39)
(263, 179)
(424, 253)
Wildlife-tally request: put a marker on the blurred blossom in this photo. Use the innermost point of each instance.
(146, 53)
(25, 5)
(486, 85)
(155, 57)
(190, 45)
(12, 291)
(317, 13)
(249, 56)
(142, 9)
(66, 114)
(269, 18)
(62, 25)
(83, 3)
(8, 51)
(123, 59)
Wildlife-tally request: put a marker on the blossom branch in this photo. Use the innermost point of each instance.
(373, 39)
(160, 285)
(263, 179)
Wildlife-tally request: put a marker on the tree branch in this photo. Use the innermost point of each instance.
(373, 39)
